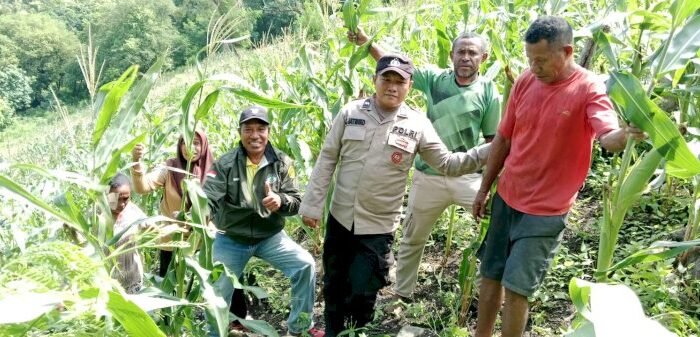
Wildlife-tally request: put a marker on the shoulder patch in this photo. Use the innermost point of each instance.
(366, 104)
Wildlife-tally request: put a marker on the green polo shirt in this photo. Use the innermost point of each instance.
(460, 114)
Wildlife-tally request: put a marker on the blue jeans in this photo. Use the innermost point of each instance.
(282, 253)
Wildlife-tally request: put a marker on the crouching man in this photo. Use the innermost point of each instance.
(251, 189)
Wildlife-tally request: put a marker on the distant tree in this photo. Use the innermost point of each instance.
(74, 13)
(134, 32)
(274, 16)
(15, 87)
(192, 19)
(42, 46)
(7, 51)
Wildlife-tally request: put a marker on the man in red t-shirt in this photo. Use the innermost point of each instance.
(543, 147)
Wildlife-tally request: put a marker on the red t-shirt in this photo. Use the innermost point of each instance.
(551, 129)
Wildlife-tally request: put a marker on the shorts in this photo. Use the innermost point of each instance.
(519, 247)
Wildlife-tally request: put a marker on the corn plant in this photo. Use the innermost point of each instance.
(117, 107)
(631, 99)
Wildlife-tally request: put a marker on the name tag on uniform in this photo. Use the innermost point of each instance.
(402, 142)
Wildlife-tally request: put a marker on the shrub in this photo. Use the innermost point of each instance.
(6, 114)
(15, 87)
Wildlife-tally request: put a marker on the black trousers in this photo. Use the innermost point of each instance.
(355, 268)
(238, 305)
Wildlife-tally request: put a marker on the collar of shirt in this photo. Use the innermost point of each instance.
(380, 116)
(251, 169)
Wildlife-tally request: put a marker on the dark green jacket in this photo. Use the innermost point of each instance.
(240, 215)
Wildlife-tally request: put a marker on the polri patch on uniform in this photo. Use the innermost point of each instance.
(396, 157)
(400, 130)
(355, 121)
(366, 104)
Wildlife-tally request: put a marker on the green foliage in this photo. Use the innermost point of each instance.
(610, 310)
(44, 49)
(192, 18)
(6, 113)
(311, 22)
(7, 51)
(76, 14)
(134, 32)
(626, 91)
(15, 87)
(273, 16)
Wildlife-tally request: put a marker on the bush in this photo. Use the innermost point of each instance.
(6, 114)
(15, 87)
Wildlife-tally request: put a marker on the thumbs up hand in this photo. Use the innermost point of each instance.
(272, 200)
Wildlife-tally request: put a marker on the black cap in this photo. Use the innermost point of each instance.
(397, 63)
(254, 112)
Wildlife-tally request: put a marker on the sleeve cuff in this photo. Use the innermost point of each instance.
(311, 212)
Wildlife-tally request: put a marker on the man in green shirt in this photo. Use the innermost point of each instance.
(461, 105)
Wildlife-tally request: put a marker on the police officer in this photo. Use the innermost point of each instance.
(374, 141)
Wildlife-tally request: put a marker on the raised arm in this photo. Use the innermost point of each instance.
(146, 182)
(359, 38)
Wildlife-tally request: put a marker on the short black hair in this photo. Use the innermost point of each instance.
(472, 35)
(554, 29)
(119, 180)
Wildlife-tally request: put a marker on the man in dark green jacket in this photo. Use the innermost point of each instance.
(251, 189)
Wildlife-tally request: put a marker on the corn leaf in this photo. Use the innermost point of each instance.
(611, 310)
(205, 107)
(682, 9)
(360, 53)
(113, 165)
(683, 46)
(263, 100)
(19, 192)
(108, 100)
(67, 204)
(135, 321)
(217, 310)
(627, 93)
(128, 111)
(187, 120)
(444, 44)
(65, 176)
(658, 251)
(637, 180)
(580, 294)
(243, 89)
(350, 15)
